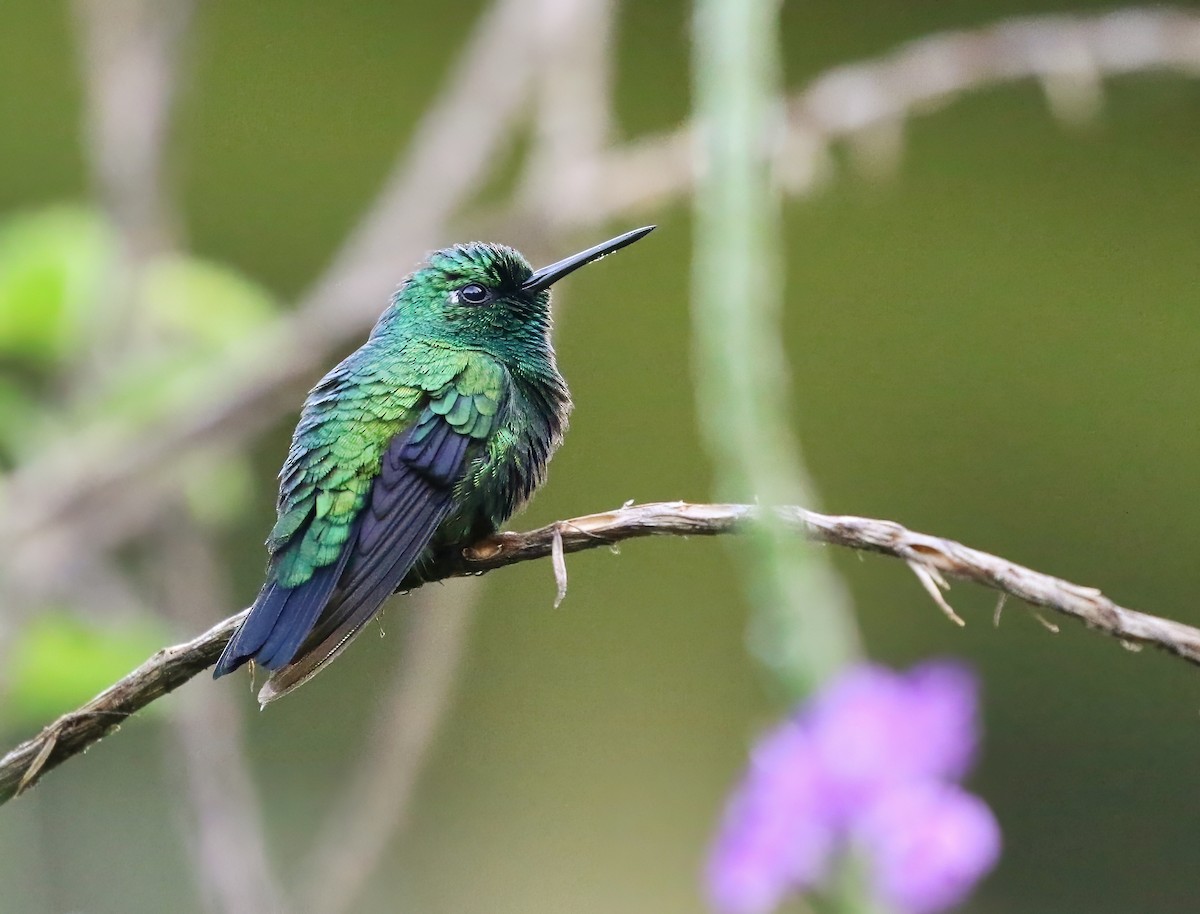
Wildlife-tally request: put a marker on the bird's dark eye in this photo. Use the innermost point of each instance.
(473, 294)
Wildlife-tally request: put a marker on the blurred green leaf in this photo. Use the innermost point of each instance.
(60, 661)
(195, 309)
(202, 303)
(52, 263)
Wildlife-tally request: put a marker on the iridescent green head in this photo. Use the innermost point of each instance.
(485, 296)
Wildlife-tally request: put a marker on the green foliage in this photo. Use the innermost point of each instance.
(125, 359)
(19, 415)
(52, 262)
(60, 661)
(148, 353)
(189, 311)
(184, 311)
(202, 305)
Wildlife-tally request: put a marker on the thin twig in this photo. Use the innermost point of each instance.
(59, 508)
(934, 584)
(558, 559)
(172, 666)
(164, 672)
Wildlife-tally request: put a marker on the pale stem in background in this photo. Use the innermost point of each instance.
(372, 808)
(225, 830)
(573, 94)
(57, 509)
(130, 54)
(804, 628)
(131, 50)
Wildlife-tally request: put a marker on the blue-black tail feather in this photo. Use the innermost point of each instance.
(280, 619)
(409, 499)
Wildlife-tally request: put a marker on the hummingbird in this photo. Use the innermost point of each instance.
(430, 436)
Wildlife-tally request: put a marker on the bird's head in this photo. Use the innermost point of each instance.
(486, 296)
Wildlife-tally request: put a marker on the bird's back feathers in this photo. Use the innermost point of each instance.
(357, 509)
(409, 500)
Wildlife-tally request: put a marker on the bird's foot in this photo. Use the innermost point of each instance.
(489, 548)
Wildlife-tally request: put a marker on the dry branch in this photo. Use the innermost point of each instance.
(171, 667)
(58, 508)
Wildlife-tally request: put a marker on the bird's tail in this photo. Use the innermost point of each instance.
(280, 619)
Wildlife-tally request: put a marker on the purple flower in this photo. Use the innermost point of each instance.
(874, 728)
(776, 835)
(929, 844)
(871, 762)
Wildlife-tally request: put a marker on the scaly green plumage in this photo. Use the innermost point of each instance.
(430, 435)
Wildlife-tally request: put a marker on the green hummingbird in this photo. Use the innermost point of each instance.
(431, 435)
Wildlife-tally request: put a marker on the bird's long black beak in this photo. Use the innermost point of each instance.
(547, 276)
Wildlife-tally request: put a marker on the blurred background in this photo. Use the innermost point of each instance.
(990, 305)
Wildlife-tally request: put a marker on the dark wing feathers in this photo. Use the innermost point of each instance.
(436, 454)
(408, 501)
(410, 498)
(280, 618)
(296, 630)
(302, 606)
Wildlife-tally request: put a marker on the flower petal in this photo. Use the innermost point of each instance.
(929, 845)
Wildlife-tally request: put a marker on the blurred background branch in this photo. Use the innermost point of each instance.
(225, 829)
(422, 693)
(133, 52)
(124, 498)
(59, 509)
(372, 806)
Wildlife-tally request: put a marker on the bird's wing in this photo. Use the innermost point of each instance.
(346, 424)
(407, 501)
